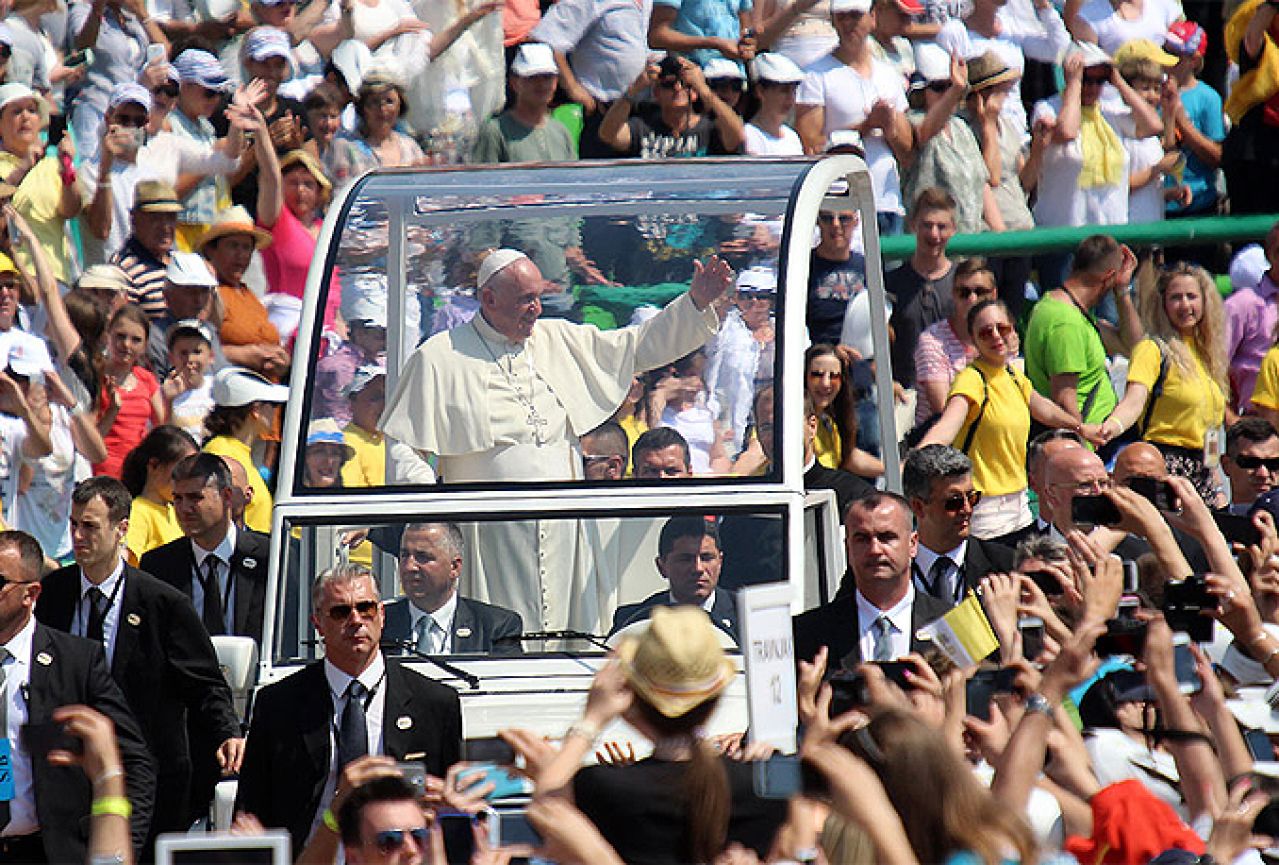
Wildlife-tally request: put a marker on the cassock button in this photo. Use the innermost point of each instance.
(404, 722)
(463, 632)
(44, 659)
(250, 562)
(133, 619)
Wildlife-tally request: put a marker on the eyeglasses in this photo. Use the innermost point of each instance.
(134, 121)
(596, 459)
(210, 93)
(939, 86)
(955, 502)
(1087, 488)
(389, 841)
(963, 293)
(989, 331)
(755, 296)
(1254, 463)
(169, 90)
(10, 285)
(364, 609)
(845, 218)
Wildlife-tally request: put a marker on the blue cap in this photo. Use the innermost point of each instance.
(261, 43)
(195, 66)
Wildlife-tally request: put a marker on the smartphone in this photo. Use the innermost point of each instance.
(506, 783)
(1131, 576)
(15, 236)
(488, 750)
(57, 129)
(156, 54)
(1032, 637)
(1124, 636)
(1183, 663)
(512, 828)
(1048, 583)
(78, 58)
(1237, 528)
(782, 776)
(1096, 510)
(415, 774)
(41, 738)
(1259, 745)
(1185, 602)
(984, 685)
(849, 688)
(1158, 493)
(1267, 822)
(457, 829)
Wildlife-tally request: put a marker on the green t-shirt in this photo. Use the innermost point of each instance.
(1061, 340)
(505, 139)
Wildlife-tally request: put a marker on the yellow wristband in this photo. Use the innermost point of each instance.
(331, 822)
(117, 806)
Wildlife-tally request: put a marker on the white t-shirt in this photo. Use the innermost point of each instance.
(13, 435)
(1060, 201)
(847, 98)
(44, 510)
(1146, 203)
(191, 407)
(760, 143)
(1113, 31)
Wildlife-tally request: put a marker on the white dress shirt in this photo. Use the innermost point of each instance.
(899, 615)
(17, 668)
(443, 617)
(224, 551)
(373, 678)
(113, 588)
(925, 557)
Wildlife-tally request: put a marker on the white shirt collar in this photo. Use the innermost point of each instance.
(19, 646)
(338, 680)
(490, 334)
(924, 557)
(224, 551)
(108, 585)
(898, 614)
(443, 616)
(707, 605)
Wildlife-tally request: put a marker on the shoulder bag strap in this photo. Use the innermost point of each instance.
(981, 411)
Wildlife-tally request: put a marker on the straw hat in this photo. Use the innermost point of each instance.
(301, 157)
(989, 70)
(326, 431)
(235, 220)
(677, 664)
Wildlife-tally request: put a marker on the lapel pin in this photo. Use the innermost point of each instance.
(133, 619)
(404, 722)
(250, 562)
(726, 623)
(416, 755)
(44, 659)
(463, 632)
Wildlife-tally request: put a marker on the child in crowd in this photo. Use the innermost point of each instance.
(367, 397)
(1150, 159)
(188, 391)
(1196, 117)
(365, 345)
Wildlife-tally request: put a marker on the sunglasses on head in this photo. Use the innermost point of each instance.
(954, 502)
(389, 841)
(1252, 463)
(1004, 330)
(342, 612)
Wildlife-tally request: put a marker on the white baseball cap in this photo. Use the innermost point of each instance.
(364, 376)
(497, 260)
(1248, 267)
(534, 58)
(776, 69)
(369, 311)
(837, 6)
(932, 63)
(190, 270)
(236, 386)
(721, 67)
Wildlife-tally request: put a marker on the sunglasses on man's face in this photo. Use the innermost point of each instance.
(1254, 463)
(390, 841)
(954, 503)
(168, 90)
(830, 218)
(939, 86)
(342, 612)
(964, 292)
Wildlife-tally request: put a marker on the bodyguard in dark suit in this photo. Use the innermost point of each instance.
(354, 702)
(203, 495)
(42, 669)
(689, 557)
(156, 648)
(878, 619)
(431, 615)
(937, 480)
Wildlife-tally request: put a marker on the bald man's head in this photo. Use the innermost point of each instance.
(1071, 472)
(1140, 460)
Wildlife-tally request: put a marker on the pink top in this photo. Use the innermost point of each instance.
(1251, 315)
(939, 356)
(131, 422)
(288, 258)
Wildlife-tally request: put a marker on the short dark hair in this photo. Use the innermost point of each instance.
(660, 438)
(384, 788)
(1093, 252)
(324, 95)
(29, 552)
(973, 265)
(688, 526)
(1248, 429)
(113, 493)
(929, 463)
(873, 500)
(205, 467)
(164, 444)
(613, 438)
(933, 198)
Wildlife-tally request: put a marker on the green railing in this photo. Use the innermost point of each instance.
(1197, 230)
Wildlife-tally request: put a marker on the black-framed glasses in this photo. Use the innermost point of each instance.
(10, 285)
(954, 503)
(364, 609)
(389, 841)
(939, 86)
(1253, 463)
(169, 90)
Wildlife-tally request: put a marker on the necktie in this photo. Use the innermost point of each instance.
(422, 635)
(437, 637)
(212, 613)
(98, 606)
(938, 582)
(4, 725)
(353, 732)
(882, 631)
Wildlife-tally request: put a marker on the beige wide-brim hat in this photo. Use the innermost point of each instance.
(677, 664)
(235, 220)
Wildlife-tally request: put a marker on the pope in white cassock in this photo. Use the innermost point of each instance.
(506, 397)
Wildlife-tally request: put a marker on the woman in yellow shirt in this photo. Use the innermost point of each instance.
(243, 411)
(829, 384)
(148, 475)
(1182, 414)
(987, 416)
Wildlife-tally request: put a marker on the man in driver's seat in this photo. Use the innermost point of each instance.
(690, 558)
(431, 616)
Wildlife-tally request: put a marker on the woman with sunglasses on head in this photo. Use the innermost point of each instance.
(828, 382)
(946, 346)
(1176, 395)
(987, 416)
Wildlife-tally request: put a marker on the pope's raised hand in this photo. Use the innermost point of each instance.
(710, 281)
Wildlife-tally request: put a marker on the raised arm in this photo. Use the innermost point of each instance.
(444, 40)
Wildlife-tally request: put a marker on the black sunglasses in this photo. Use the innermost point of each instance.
(955, 503)
(939, 86)
(1251, 463)
(965, 293)
(389, 841)
(828, 218)
(169, 90)
(342, 612)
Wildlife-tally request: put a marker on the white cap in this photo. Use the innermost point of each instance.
(189, 326)
(534, 58)
(370, 311)
(776, 68)
(363, 377)
(15, 91)
(236, 386)
(757, 279)
(497, 260)
(189, 269)
(721, 67)
(844, 138)
(1092, 54)
(1248, 267)
(837, 6)
(932, 63)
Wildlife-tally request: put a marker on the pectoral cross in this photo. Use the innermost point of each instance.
(538, 423)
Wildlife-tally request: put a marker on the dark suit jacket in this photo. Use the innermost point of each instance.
(723, 612)
(286, 760)
(478, 628)
(835, 626)
(175, 564)
(847, 486)
(980, 558)
(165, 664)
(69, 670)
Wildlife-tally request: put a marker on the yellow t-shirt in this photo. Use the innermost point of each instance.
(257, 515)
(1191, 404)
(827, 444)
(1266, 393)
(151, 525)
(634, 427)
(368, 467)
(998, 450)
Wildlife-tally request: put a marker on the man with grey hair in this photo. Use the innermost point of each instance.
(353, 702)
(1038, 452)
(937, 480)
(431, 617)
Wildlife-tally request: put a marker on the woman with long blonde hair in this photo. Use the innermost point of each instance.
(1177, 387)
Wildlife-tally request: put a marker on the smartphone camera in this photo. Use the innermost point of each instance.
(984, 685)
(1095, 510)
(1185, 602)
(1124, 636)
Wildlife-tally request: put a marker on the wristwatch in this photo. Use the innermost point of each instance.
(1038, 703)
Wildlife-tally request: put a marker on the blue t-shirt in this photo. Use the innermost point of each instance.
(714, 18)
(1203, 107)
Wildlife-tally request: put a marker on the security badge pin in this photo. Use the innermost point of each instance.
(44, 659)
(463, 632)
(404, 722)
(133, 619)
(250, 562)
